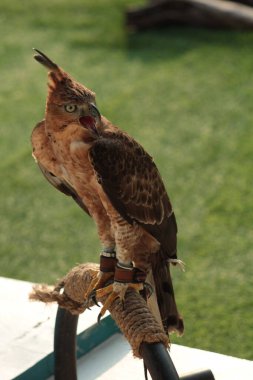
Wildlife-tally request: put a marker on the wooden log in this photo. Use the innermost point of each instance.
(245, 2)
(201, 13)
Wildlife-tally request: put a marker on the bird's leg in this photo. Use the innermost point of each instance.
(125, 277)
(108, 262)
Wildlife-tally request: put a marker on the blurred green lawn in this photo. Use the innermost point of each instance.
(187, 96)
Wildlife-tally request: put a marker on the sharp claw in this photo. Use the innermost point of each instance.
(99, 317)
(86, 304)
(92, 296)
(148, 288)
(95, 300)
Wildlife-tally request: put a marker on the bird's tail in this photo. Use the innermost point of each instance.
(162, 302)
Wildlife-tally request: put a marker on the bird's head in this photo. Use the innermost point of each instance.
(68, 101)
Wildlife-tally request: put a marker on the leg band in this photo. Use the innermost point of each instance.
(108, 262)
(129, 275)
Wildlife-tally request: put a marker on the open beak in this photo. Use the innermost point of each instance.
(94, 111)
(90, 117)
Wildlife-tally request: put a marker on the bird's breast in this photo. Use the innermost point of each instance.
(79, 147)
(76, 166)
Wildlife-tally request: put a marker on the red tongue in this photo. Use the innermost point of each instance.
(87, 121)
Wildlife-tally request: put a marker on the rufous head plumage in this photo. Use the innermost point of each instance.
(69, 95)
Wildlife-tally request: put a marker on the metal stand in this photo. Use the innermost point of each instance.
(155, 356)
(65, 345)
(158, 361)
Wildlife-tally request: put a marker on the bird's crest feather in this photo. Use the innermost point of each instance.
(45, 61)
(61, 86)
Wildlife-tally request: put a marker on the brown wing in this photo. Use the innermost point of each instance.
(134, 186)
(62, 186)
(46, 160)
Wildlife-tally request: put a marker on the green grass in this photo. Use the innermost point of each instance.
(187, 96)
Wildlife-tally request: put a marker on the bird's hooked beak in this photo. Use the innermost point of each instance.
(90, 117)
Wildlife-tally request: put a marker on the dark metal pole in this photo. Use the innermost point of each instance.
(158, 361)
(161, 367)
(203, 375)
(155, 355)
(65, 345)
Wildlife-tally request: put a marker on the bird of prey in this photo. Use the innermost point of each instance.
(114, 180)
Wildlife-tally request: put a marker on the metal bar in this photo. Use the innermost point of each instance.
(158, 361)
(65, 345)
(203, 375)
(161, 367)
(155, 355)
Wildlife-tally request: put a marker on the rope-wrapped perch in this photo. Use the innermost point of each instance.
(133, 318)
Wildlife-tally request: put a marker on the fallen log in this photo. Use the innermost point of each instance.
(245, 2)
(218, 14)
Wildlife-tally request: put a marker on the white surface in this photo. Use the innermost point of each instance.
(27, 328)
(113, 360)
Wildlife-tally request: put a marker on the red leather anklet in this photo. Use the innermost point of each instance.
(129, 275)
(107, 264)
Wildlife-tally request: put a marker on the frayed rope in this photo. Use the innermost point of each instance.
(133, 318)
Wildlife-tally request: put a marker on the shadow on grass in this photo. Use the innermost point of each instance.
(171, 42)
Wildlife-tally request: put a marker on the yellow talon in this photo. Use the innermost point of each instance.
(115, 290)
(109, 300)
(97, 283)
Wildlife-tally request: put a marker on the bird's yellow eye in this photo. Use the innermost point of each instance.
(70, 108)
